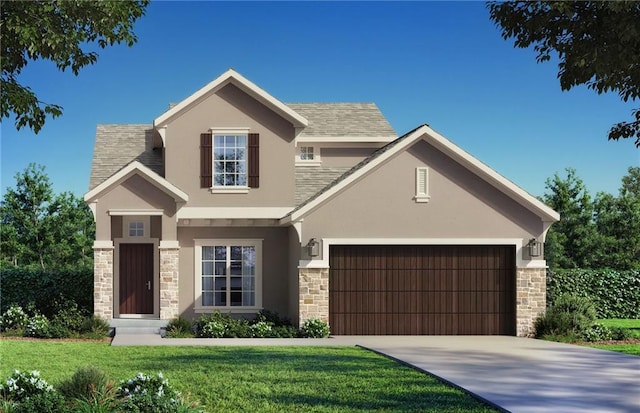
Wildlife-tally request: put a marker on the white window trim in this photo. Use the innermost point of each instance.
(316, 161)
(199, 243)
(146, 226)
(422, 185)
(228, 189)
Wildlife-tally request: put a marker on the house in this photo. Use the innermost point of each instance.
(234, 201)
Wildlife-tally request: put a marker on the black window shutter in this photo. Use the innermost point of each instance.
(254, 160)
(206, 163)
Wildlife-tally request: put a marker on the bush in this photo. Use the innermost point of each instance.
(46, 287)
(272, 318)
(179, 327)
(314, 328)
(38, 326)
(260, 329)
(50, 402)
(148, 394)
(84, 384)
(569, 314)
(95, 326)
(616, 294)
(14, 318)
(212, 329)
(68, 315)
(23, 385)
(597, 332)
(284, 332)
(619, 333)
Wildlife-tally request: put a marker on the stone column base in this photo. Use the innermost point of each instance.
(313, 294)
(103, 282)
(169, 276)
(531, 298)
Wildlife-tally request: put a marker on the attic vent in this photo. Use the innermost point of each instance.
(422, 184)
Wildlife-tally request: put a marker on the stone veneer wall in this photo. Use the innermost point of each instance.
(314, 294)
(169, 273)
(103, 282)
(531, 298)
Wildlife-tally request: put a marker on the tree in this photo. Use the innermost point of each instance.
(40, 229)
(61, 31)
(597, 43)
(631, 182)
(570, 241)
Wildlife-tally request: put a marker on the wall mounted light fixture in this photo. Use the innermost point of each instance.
(313, 247)
(535, 248)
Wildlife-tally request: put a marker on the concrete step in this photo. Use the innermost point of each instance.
(137, 325)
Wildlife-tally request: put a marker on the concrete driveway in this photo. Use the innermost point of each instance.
(523, 375)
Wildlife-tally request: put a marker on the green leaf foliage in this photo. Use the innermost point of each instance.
(40, 229)
(596, 43)
(615, 294)
(46, 289)
(65, 32)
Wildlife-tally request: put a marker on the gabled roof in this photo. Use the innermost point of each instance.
(118, 145)
(344, 121)
(389, 151)
(244, 84)
(136, 168)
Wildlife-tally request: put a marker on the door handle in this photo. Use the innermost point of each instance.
(148, 285)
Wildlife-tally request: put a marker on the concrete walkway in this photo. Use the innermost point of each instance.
(516, 374)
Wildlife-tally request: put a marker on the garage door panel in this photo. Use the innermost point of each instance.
(422, 289)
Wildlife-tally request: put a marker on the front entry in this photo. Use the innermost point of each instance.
(136, 279)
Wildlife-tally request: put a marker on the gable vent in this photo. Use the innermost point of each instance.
(422, 184)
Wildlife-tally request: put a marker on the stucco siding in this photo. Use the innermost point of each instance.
(275, 263)
(381, 204)
(232, 108)
(134, 193)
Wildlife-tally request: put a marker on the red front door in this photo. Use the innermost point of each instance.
(136, 279)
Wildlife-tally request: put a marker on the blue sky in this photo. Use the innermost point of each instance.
(444, 64)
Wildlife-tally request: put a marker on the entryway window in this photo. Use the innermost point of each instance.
(228, 274)
(136, 229)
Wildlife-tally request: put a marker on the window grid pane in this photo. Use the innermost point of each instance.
(306, 153)
(230, 159)
(228, 276)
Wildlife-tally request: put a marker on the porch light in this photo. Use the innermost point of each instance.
(535, 248)
(313, 247)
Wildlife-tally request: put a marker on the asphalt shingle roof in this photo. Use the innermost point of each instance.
(343, 119)
(118, 145)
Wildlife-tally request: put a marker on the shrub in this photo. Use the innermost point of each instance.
(569, 314)
(222, 321)
(314, 328)
(212, 329)
(56, 330)
(619, 333)
(68, 315)
(272, 318)
(95, 326)
(38, 326)
(46, 287)
(284, 332)
(148, 394)
(238, 328)
(84, 384)
(597, 332)
(260, 329)
(23, 385)
(616, 294)
(179, 327)
(13, 318)
(50, 402)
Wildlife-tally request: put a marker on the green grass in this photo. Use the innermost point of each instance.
(633, 349)
(631, 324)
(260, 379)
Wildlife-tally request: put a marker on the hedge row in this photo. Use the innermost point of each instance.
(616, 294)
(43, 288)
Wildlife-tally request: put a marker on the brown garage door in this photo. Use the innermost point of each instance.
(421, 290)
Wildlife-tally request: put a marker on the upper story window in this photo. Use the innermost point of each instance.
(308, 156)
(230, 160)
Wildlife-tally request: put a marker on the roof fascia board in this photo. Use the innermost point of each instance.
(233, 212)
(231, 76)
(136, 168)
(322, 139)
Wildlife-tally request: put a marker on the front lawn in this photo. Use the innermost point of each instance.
(254, 379)
(631, 324)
